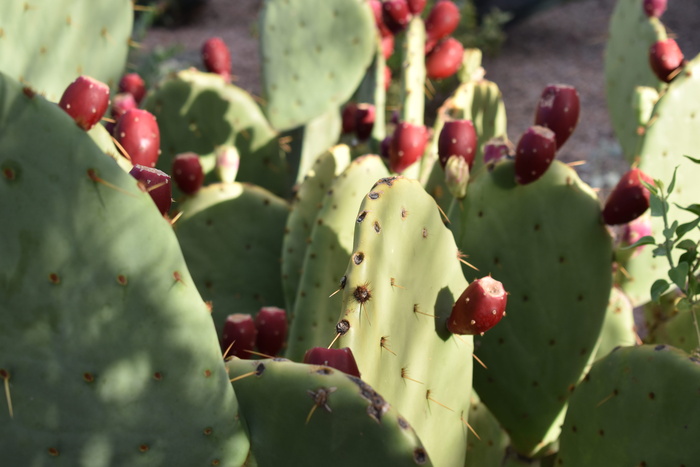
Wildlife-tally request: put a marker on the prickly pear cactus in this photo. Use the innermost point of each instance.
(330, 246)
(101, 137)
(313, 55)
(488, 446)
(637, 406)
(401, 282)
(107, 351)
(231, 237)
(546, 243)
(46, 44)
(618, 328)
(333, 417)
(413, 72)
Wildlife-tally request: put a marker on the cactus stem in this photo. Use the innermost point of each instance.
(404, 375)
(610, 396)
(244, 375)
(93, 176)
(470, 427)
(427, 396)
(5, 375)
(383, 343)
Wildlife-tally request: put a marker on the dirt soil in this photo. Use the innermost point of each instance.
(562, 45)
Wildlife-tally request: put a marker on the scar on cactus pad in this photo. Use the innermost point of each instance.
(480, 307)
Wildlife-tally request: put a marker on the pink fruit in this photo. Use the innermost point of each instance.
(340, 359)
(271, 323)
(442, 21)
(156, 183)
(558, 109)
(534, 154)
(364, 121)
(654, 8)
(387, 46)
(480, 307)
(86, 101)
(217, 57)
(387, 78)
(628, 200)
(121, 103)
(498, 148)
(239, 334)
(188, 173)
(665, 58)
(407, 146)
(634, 230)
(416, 6)
(137, 132)
(396, 15)
(378, 19)
(457, 138)
(133, 84)
(445, 59)
(348, 117)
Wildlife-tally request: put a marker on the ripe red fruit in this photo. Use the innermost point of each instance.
(86, 101)
(534, 154)
(217, 57)
(121, 103)
(364, 121)
(133, 84)
(239, 333)
(654, 8)
(416, 6)
(188, 173)
(156, 183)
(480, 307)
(665, 58)
(445, 59)
(396, 15)
(271, 323)
(628, 200)
(137, 132)
(387, 46)
(348, 117)
(558, 109)
(407, 146)
(442, 20)
(378, 19)
(457, 138)
(340, 359)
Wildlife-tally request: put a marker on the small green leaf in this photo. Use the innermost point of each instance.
(647, 240)
(659, 207)
(697, 161)
(683, 229)
(661, 250)
(688, 257)
(687, 244)
(694, 208)
(658, 288)
(692, 285)
(679, 274)
(653, 187)
(668, 233)
(673, 181)
(683, 305)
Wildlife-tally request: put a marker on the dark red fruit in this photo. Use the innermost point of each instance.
(271, 323)
(480, 307)
(416, 6)
(340, 359)
(654, 8)
(121, 103)
(133, 84)
(407, 146)
(137, 132)
(188, 173)
(457, 138)
(498, 148)
(665, 58)
(384, 148)
(156, 183)
(445, 59)
(239, 333)
(364, 121)
(396, 15)
(348, 117)
(378, 18)
(86, 101)
(534, 154)
(558, 109)
(442, 21)
(628, 200)
(217, 57)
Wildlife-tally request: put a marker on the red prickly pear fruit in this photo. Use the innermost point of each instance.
(445, 59)
(271, 323)
(665, 58)
(416, 6)
(239, 334)
(442, 20)
(217, 57)
(498, 148)
(480, 307)
(628, 200)
(384, 148)
(156, 183)
(534, 154)
(407, 146)
(387, 46)
(558, 109)
(364, 121)
(188, 173)
(348, 117)
(654, 8)
(387, 78)
(133, 84)
(378, 18)
(137, 132)
(121, 103)
(396, 15)
(634, 230)
(457, 138)
(86, 101)
(340, 359)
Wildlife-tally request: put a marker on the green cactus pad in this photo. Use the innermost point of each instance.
(300, 221)
(198, 112)
(107, 350)
(101, 137)
(402, 280)
(489, 449)
(631, 33)
(637, 406)
(313, 55)
(330, 246)
(329, 418)
(231, 237)
(546, 243)
(46, 44)
(413, 72)
(619, 328)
